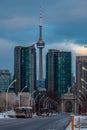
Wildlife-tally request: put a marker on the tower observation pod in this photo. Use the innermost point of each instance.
(40, 46)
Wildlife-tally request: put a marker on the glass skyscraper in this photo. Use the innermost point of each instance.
(25, 68)
(5, 80)
(58, 71)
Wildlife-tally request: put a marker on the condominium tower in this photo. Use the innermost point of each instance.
(81, 75)
(25, 68)
(5, 80)
(58, 71)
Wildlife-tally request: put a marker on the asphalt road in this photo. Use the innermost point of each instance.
(53, 122)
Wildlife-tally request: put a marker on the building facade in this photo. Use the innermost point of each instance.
(58, 71)
(25, 68)
(5, 80)
(81, 75)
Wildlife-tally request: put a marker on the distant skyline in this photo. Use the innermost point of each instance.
(64, 27)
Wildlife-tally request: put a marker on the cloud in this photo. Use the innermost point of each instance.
(68, 11)
(17, 23)
(6, 45)
(65, 46)
(7, 54)
(81, 51)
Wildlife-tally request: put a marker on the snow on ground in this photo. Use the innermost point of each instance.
(7, 114)
(11, 114)
(83, 123)
(3, 115)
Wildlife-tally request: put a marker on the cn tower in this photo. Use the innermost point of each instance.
(40, 46)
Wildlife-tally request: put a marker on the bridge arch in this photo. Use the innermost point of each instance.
(68, 106)
(68, 103)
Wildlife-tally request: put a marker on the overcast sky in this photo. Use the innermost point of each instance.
(64, 26)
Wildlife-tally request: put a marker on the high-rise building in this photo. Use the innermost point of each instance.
(5, 80)
(58, 71)
(81, 74)
(40, 45)
(25, 68)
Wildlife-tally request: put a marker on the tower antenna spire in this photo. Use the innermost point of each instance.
(40, 16)
(40, 46)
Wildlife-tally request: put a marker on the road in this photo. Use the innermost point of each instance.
(53, 122)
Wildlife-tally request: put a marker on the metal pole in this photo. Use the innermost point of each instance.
(19, 99)
(6, 101)
(34, 106)
(72, 122)
(39, 103)
(34, 101)
(31, 96)
(79, 123)
(20, 95)
(7, 93)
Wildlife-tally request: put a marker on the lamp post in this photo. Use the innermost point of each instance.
(7, 92)
(20, 95)
(79, 101)
(82, 94)
(83, 80)
(84, 87)
(45, 101)
(81, 98)
(85, 75)
(35, 100)
(40, 101)
(31, 96)
(83, 68)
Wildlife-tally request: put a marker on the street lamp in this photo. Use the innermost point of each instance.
(35, 100)
(7, 92)
(47, 101)
(20, 95)
(81, 98)
(40, 101)
(83, 80)
(31, 94)
(83, 88)
(82, 93)
(83, 68)
(80, 101)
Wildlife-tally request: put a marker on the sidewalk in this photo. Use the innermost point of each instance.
(83, 123)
